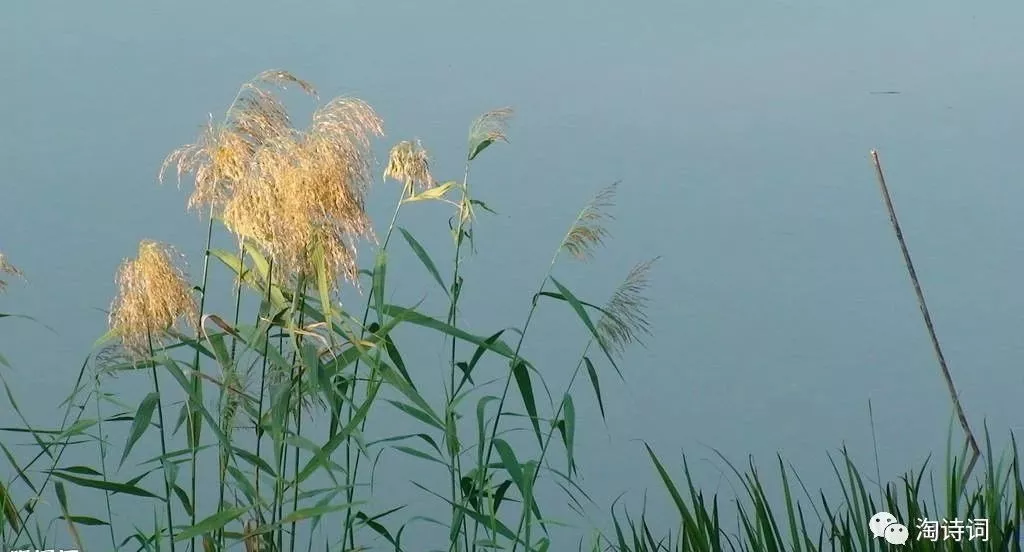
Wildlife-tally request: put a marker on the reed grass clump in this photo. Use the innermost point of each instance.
(274, 410)
(276, 397)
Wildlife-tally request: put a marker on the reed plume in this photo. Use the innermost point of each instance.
(624, 320)
(219, 158)
(487, 129)
(7, 268)
(409, 164)
(308, 190)
(589, 230)
(153, 296)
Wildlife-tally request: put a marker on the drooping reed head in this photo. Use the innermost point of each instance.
(306, 190)
(409, 164)
(624, 320)
(489, 127)
(589, 230)
(153, 295)
(219, 158)
(7, 268)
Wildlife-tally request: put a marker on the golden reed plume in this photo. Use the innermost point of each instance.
(409, 164)
(153, 295)
(284, 190)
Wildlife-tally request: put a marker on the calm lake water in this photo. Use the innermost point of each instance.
(740, 133)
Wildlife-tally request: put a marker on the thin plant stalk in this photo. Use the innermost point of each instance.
(297, 380)
(163, 444)
(456, 292)
(352, 469)
(263, 383)
(295, 467)
(223, 461)
(101, 441)
(527, 501)
(279, 491)
(68, 403)
(193, 430)
(238, 297)
(515, 358)
(953, 395)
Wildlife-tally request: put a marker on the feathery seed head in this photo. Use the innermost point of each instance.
(589, 231)
(153, 294)
(625, 316)
(217, 161)
(409, 163)
(487, 129)
(491, 125)
(219, 158)
(307, 190)
(7, 268)
(282, 79)
(286, 190)
(258, 116)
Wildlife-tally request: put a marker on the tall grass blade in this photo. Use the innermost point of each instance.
(140, 423)
(212, 523)
(596, 384)
(521, 372)
(62, 500)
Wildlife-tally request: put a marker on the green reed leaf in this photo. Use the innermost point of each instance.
(522, 374)
(405, 388)
(486, 521)
(568, 429)
(255, 461)
(84, 520)
(596, 384)
(343, 434)
(212, 523)
(426, 417)
(415, 317)
(478, 147)
(467, 369)
(28, 427)
(143, 417)
(183, 497)
(499, 494)
(396, 358)
(62, 500)
(314, 512)
(377, 527)
(380, 270)
(434, 193)
(322, 459)
(581, 312)
(18, 469)
(323, 280)
(113, 487)
(511, 464)
(424, 258)
(233, 262)
(9, 509)
(418, 454)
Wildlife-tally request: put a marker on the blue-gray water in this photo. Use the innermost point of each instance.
(740, 133)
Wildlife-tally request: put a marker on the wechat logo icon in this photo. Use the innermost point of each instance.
(884, 525)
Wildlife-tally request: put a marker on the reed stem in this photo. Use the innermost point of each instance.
(953, 395)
